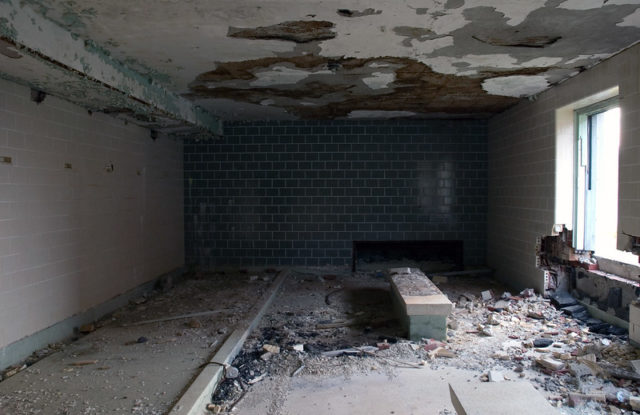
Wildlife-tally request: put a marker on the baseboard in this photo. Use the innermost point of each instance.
(63, 330)
(604, 316)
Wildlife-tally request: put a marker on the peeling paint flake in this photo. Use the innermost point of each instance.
(301, 31)
(450, 65)
(420, 34)
(379, 80)
(410, 86)
(513, 40)
(587, 58)
(356, 13)
(542, 62)
(515, 86)
(631, 20)
(283, 75)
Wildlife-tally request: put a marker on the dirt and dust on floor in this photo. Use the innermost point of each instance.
(139, 359)
(330, 343)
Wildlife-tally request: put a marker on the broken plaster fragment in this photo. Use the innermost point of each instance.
(550, 363)
(271, 348)
(492, 319)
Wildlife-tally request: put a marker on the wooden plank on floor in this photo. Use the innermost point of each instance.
(194, 400)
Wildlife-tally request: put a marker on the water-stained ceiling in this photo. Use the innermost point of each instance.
(286, 59)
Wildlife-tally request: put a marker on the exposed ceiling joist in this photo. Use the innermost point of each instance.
(91, 77)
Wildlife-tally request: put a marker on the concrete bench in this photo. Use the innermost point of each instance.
(421, 306)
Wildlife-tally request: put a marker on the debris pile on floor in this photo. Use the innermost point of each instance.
(139, 358)
(321, 327)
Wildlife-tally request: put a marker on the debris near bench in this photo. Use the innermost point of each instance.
(350, 351)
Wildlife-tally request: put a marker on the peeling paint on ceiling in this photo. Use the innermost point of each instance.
(515, 86)
(297, 31)
(287, 59)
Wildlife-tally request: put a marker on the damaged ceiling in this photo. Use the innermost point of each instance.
(193, 62)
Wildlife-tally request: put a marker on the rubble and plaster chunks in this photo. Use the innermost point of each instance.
(300, 31)
(422, 307)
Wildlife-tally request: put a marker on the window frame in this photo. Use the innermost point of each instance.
(581, 123)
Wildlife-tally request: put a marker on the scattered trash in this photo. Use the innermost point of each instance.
(231, 372)
(492, 319)
(216, 409)
(298, 347)
(270, 348)
(194, 324)
(484, 330)
(486, 295)
(383, 346)
(257, 379)
(527, 292)
(578, 399)
(543, 342)
(83, 363)
(501, 305)
(13, 370)
(87, 328)
(298, 370)
(139, 300)
(440, 352)
(550, 363)
(535, 315)
(350, 351)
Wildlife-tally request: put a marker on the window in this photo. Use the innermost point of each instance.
(596, 181)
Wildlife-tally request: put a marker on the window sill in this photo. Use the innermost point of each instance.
(617, 270)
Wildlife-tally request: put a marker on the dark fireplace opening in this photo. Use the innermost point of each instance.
(434, 255)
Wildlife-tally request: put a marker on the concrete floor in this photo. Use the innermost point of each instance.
(405, 391)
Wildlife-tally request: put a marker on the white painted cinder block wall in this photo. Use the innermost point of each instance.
(522, 166)
(73, 238)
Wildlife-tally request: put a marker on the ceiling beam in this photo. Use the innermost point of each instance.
(37, 37)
